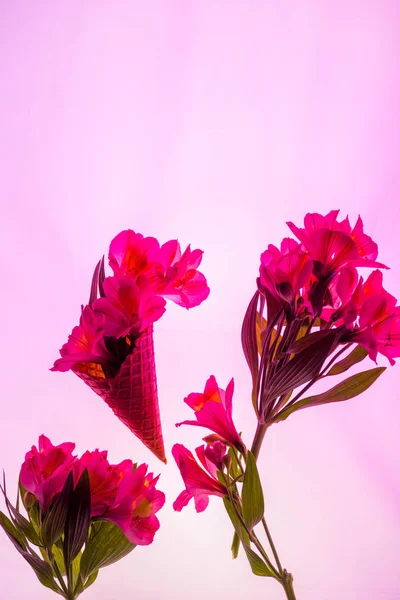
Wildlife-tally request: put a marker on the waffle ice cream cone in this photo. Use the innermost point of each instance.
(132, 393)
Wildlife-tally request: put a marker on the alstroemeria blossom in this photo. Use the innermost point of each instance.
(104, 479)
(85, 344)
(213, 409)
(333, 244)
(199, 483)
(177, 277)
(284, 272)
(45, 470)
(136, 502)
(128, 307)
(132, 254)
(379, 318)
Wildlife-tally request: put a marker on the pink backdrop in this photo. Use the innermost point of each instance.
(214, 122)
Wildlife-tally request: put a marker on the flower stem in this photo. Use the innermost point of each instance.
(285, 578)
(287, 584)
(258, 439)
(271, 543)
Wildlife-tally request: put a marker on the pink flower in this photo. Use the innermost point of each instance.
(128, 307)
(340, 305)
(104, 478)
(333, 244)
(85, 344)
(199, 484)
(132, 254)
(213, 409)
(45, 471)
(177, 277)
(284, 272)
(136, 502)
(379, 318)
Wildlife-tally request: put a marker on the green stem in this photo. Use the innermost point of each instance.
(58, 574)
(271, 543)
(258, 439)
(287, 584)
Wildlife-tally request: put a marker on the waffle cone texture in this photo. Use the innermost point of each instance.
(132, 393)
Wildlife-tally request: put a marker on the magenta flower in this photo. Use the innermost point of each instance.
(284, 272)
(176, 276)
(85, 344)
(46, 469)
(199, 483)
(104, 479)
(379, 318)
(128, 307)
(333, 244)
(132, 254)
(213, 409)
(136, 502)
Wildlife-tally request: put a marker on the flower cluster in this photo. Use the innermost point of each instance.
(317, 278)
(83, 513)
(123, 494)
(112, 348)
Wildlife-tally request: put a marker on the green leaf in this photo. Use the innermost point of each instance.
(234, 470)
(24, 527)
(235, 545)
(78, 519)
(257, 565)
(91, 580)
(356, 355)
(349, 388)
(42, 569)
(252, 494)
(239, 528)
(106, 545)
(12, 532)
(55, 519)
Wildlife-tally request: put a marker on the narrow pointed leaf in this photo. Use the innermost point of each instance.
(257, 565)
(55, 519)
(106, 545)
(356, 355)
(312, 338)
(95, 284)
(234, 470)
(102, 277)
(252, 494)
(261, 326)
(24, 527)
(299, 370)
(12, 532)
(349, 388)
(42, 569)
(235, 545)
(249, 343)
(78, 520)
(239, 528)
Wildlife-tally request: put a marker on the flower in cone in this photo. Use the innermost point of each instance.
(112, 349)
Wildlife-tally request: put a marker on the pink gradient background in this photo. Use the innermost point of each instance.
(214, 122)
